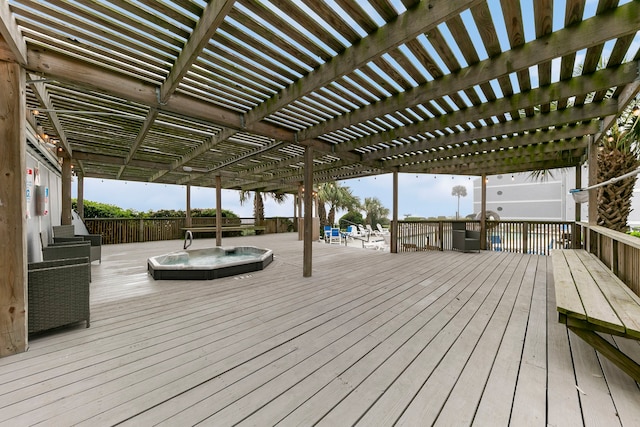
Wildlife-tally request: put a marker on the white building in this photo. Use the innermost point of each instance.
(521, 197)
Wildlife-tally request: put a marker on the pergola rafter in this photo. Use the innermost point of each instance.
(241, 89)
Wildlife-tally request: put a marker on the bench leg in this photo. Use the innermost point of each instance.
(620, 359)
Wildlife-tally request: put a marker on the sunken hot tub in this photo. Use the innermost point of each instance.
(210, 263)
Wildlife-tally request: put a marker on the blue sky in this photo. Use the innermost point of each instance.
(419, 195)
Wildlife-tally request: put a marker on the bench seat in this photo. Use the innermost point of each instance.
(212, 229)
(590, 298)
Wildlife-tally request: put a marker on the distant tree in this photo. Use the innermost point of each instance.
(338, 197)
(258, 202)
(351, 217)
(374, 211)
(459, 191)
(103, 210)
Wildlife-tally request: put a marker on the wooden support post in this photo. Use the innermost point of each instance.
(593, 178)
(141, 230)
(13, 226)
(66, 191)
(188, 213)
(80, 199)
(483, 213)
(300, 227)
(308, 212)
(218, 210)
(394, 221)
(575, 233)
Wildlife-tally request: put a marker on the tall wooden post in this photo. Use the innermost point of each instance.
(218, 210)
(308, 211)
(13, 226)
(80, 200)
(300, 227)
(576, 238)
(66, 191)
(188, 213)
(394, 214)
(593, 178)
(483, 214)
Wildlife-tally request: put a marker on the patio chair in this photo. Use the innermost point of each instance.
(66, 233)
(327, 233)
(496, 243)
(58, 293)
(465, 240)
(352, 231)
(335, 236)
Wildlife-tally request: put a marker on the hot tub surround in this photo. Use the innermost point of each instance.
(210, 263)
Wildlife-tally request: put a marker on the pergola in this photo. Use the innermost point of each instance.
(276, 95)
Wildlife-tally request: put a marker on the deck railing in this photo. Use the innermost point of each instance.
(535, 237)
(618, 251)
(131, 230)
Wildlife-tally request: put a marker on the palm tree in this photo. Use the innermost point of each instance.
(374, 210)
(618, 154)
(459, 191)
(338, 197)
(258, 202)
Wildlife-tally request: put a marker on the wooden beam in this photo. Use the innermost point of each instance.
(477, 168)
(115, 160)
(609, 25)
(207, 25)
(505, 158)
(204, 147)
(13, 226)
(567, 139)
(415, 21)
(540, 121)
(65, 69)
(11, 33)
(40, 91)
(142, 134)
(600, 80)
(628, 94)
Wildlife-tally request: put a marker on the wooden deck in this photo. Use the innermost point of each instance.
(372, 338)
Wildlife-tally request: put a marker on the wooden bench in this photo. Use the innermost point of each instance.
(212, 229)
(591, 299)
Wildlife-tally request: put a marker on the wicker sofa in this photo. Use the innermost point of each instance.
(66, 233)
(58, 293)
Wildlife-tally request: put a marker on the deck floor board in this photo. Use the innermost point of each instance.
(372, 338)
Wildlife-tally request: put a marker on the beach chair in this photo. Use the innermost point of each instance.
(363, 231)
(382, 231)
(371, 231)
